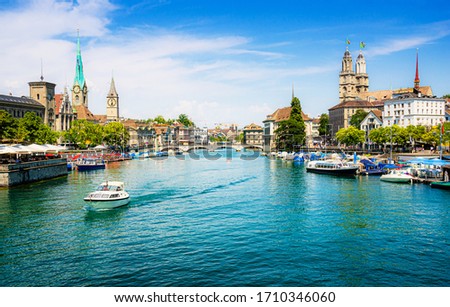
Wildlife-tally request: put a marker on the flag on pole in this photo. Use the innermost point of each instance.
(347, 41)
(362, 45)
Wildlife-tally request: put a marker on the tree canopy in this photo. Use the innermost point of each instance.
(29, 129)
(350, 136)
(291, 132)
(87, 134)
(8, 126)
(358, 117)
(184, 119)
(324, 128)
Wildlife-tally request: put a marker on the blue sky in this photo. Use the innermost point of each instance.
(221, 61)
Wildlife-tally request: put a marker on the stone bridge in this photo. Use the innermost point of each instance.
(214, 147)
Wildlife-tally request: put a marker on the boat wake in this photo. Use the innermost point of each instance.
(223, 186)
(173, 194)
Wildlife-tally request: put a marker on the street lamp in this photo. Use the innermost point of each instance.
(440, 139)
(391, 136)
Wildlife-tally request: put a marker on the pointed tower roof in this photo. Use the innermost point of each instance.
(79, 75)
(416, 79)
(112, 88)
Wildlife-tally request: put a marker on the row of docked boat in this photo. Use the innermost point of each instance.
(345, 165)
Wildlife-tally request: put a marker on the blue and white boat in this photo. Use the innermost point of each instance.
(87, 164)
(109, 195)
(371, 168)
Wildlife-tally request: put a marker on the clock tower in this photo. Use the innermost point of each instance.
(112, 103)
(44, 93)
(79, 88)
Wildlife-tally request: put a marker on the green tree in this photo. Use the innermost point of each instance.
(240, 137)
(350, 136)
(84, 134)
(431, 137)
(8, 126)
(46, 135)
(184, 119)
(446, 135)
(324, 128)
(379, 136)
(159, 119)
(29, 127)
(358, 117)
(415, 133)
(116, 134)
(291, 132)
(446, 96)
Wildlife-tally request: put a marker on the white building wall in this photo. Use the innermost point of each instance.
(413, 111)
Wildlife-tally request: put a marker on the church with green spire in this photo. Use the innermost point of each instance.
(79, 88)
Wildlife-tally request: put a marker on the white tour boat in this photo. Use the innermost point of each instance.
(399, 176)
(109, 195)
(332, 167)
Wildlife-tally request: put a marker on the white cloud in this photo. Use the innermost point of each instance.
(212, 79)
(422, 36)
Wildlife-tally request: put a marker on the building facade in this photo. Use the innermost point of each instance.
(64, 114)
(253, 135)
(44, 93)
(340, 115)
(373, 120)
(19, 106)
(409, 110)
(271, 124)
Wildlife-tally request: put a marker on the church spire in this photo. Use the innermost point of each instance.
(79, 75)
(112, 88)
(416, 79)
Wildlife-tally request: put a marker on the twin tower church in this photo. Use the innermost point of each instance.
(353, 83)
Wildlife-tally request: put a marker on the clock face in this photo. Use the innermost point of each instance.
(76, 89)
(111, 102)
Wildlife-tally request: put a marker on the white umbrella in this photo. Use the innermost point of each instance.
(4, 150)
(37, 148)
(20, 149)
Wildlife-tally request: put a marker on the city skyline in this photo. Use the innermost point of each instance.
(221, 62)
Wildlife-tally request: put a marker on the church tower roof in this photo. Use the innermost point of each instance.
(79, 75)
(112, 88)
(416, 79)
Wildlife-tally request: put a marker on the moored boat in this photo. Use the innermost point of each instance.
(109, 195)
(87, 164)
(398, 176)
(443, 185)
(371, 168)
(332, 167)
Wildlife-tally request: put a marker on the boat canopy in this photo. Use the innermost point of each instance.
(427, 161)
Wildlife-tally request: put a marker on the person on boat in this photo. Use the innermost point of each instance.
(105, 187)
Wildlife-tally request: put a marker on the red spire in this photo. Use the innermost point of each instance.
(417, 80)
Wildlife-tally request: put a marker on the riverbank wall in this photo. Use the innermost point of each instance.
(25, 172)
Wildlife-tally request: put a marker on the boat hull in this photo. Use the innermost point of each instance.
(82, 167)
(440, 185)
(336, 172)
(106, 204)
(396, 179)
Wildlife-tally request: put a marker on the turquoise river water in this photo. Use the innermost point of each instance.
(225, 222)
